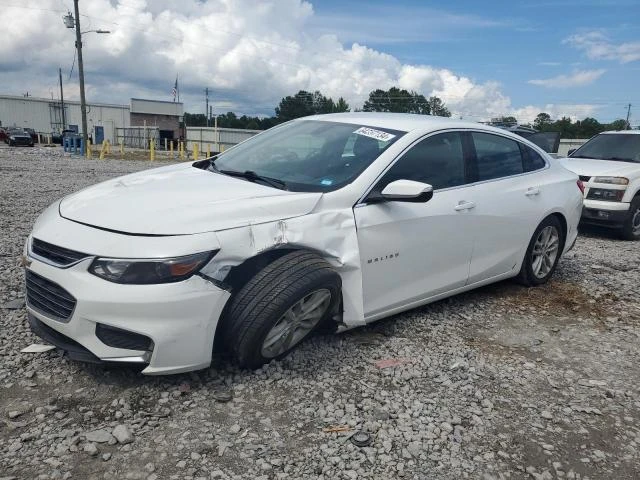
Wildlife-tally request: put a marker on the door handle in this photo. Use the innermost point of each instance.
(532, 191)
(463, 205)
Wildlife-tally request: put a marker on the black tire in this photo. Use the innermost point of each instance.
(263, 301)
(627, 232)
(527, 276)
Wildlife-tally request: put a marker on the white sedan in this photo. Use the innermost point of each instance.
(334, 220)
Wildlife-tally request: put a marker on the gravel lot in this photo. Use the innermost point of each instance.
(503, 382)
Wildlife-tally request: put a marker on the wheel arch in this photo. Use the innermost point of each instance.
(240, 274)
(563, 224)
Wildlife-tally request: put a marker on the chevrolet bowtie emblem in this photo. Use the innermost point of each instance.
(24, 261)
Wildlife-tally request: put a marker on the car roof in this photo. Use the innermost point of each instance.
(402, 121)
(622, 132)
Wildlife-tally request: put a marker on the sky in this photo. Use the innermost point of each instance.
(484, 59)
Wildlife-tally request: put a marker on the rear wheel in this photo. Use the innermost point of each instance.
(631, 226)
(543, 253)
(280, 307)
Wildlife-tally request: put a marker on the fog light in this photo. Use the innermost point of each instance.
(602, 214)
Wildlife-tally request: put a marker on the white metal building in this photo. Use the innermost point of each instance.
(45, 115)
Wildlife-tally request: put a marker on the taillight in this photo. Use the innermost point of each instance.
(581, 186)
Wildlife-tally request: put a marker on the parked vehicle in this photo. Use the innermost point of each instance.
(17, 136)
(335, 220)
(548, 141)
(32, 132)
(609, 164)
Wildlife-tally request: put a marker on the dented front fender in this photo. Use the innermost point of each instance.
(332, 234)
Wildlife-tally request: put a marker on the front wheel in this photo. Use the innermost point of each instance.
(280, 307)
(631, 225)
(543, 253)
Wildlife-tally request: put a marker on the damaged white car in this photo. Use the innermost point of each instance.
(334, 220)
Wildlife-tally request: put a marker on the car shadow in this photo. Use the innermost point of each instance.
(595, 231)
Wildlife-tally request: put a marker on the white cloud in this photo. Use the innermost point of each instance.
(250, 54)
(576, 79)
(597, 46)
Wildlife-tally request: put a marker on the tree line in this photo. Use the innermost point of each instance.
(395, 100)
(586, 128)
(306, 103)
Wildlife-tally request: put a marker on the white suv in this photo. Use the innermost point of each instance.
(337, 219)
(609, 166)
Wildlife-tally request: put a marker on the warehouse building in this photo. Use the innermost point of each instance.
(104, 121)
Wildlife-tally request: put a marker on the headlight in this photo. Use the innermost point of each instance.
(605, 194)
(145, 272)
(612, 180)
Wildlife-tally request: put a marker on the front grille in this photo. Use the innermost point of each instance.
(585, 178)
(59, 255)
(118, 338)
(49, 298)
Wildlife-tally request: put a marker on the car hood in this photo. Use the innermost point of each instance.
(20, 135)
(180, 200)
(603, 168)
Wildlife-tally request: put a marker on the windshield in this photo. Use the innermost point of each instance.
(619, 146)
(309, 155)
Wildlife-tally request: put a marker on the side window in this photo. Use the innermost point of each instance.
(532, 159)
(496, 156)
(437, 160)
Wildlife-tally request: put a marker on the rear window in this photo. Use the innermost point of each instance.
(497, 156)
(532, 159)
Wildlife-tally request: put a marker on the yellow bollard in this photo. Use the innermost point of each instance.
(88, 148)
(171, 149)
(165, 144)
(195, 151)
(208, 150)
(121, 148)
(102, 150)
(181, 151)
(152, 150)
(108, 147)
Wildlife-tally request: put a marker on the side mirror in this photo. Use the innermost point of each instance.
(407, 191)
(571, 151)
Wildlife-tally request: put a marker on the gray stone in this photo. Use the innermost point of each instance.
(98, 436)
(14, 304)
(91, 449)
(122, 434)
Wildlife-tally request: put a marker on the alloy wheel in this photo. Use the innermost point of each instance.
(635, 223)
(296, 323)
(545, 251)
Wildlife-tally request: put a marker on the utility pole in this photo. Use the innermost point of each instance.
(83, 104)
(64, 120)
(628, 115)
(206, 108)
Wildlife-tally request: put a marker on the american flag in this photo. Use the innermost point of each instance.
(174, 91)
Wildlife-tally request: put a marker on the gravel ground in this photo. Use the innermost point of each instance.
(503, 382)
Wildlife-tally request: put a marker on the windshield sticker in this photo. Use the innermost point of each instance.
(326, 181)
(373, 133)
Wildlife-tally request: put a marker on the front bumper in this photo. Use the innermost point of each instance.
(598, 212)
(179, 318)
(24, 142)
